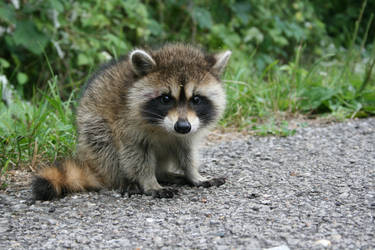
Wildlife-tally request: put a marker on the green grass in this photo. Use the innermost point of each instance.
(265, 101)
(36, 132)
(338, 85)
(42, 130)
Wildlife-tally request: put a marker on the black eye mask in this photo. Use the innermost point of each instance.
(204, 108)
(156, 109)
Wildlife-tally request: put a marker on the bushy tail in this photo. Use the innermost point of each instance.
(67, 177)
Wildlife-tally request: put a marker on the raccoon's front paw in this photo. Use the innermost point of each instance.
(163, 193)
(131, 189)
(212, 182)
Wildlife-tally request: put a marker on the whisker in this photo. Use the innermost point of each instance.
(152, 113)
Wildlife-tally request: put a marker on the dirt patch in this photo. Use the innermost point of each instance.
(16, 179)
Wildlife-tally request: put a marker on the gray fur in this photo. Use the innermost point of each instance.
(123, 149)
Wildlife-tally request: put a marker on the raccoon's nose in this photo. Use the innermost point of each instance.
(182, 126)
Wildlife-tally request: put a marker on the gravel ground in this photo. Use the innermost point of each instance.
(313, 190)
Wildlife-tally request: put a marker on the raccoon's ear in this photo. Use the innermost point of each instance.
(221, 60)
(141, 62)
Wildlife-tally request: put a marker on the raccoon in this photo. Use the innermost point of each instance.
(140, 121)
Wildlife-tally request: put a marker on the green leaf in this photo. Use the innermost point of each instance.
(115, 41)
(278, 38)
(135, 9)
(56, 5)
(28, 36)
(97, 21)
(242, 11)
(83, 60)
(22, 78)
(7, 13)
(155, 27)
(227, 36)
(314, 97)
(253, 34)
(4, 63)
(202, 17)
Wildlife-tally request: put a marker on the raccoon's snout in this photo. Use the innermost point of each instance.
(182, 126)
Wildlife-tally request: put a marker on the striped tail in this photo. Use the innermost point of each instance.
(67, 177)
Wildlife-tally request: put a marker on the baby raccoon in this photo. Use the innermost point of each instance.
(140, 120)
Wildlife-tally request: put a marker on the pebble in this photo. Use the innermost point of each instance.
(19, 207)
(323, 242)
(282, 247)
(4, 225)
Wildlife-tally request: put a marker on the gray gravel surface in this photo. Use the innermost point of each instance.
(313, 190)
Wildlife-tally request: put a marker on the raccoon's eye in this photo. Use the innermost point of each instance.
(196, 100)
(165, 99)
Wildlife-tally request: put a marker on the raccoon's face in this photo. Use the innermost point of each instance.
(178, 89)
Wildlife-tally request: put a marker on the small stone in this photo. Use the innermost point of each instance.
(158, 241)
(4, 225)
(149, 220)
(336, 237)
(119, 195)
(253, 196)
(20, 206)
(344, 195)
(282, 247)
(323, 242)
(338, 203)
(82, 239)
(214, 222)
(51, 221)
(221, 234)
(265, 158)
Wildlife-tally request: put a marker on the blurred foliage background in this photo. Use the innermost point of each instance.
(75, 36)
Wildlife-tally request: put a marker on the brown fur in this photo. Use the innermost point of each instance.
(117, 147)
(71, 176)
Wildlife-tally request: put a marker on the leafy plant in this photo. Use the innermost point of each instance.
(79, 35)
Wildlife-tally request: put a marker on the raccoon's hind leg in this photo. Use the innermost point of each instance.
(172, 178)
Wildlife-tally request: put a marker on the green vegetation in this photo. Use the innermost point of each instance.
(308, 58)
(326, 88)
(37, 130)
